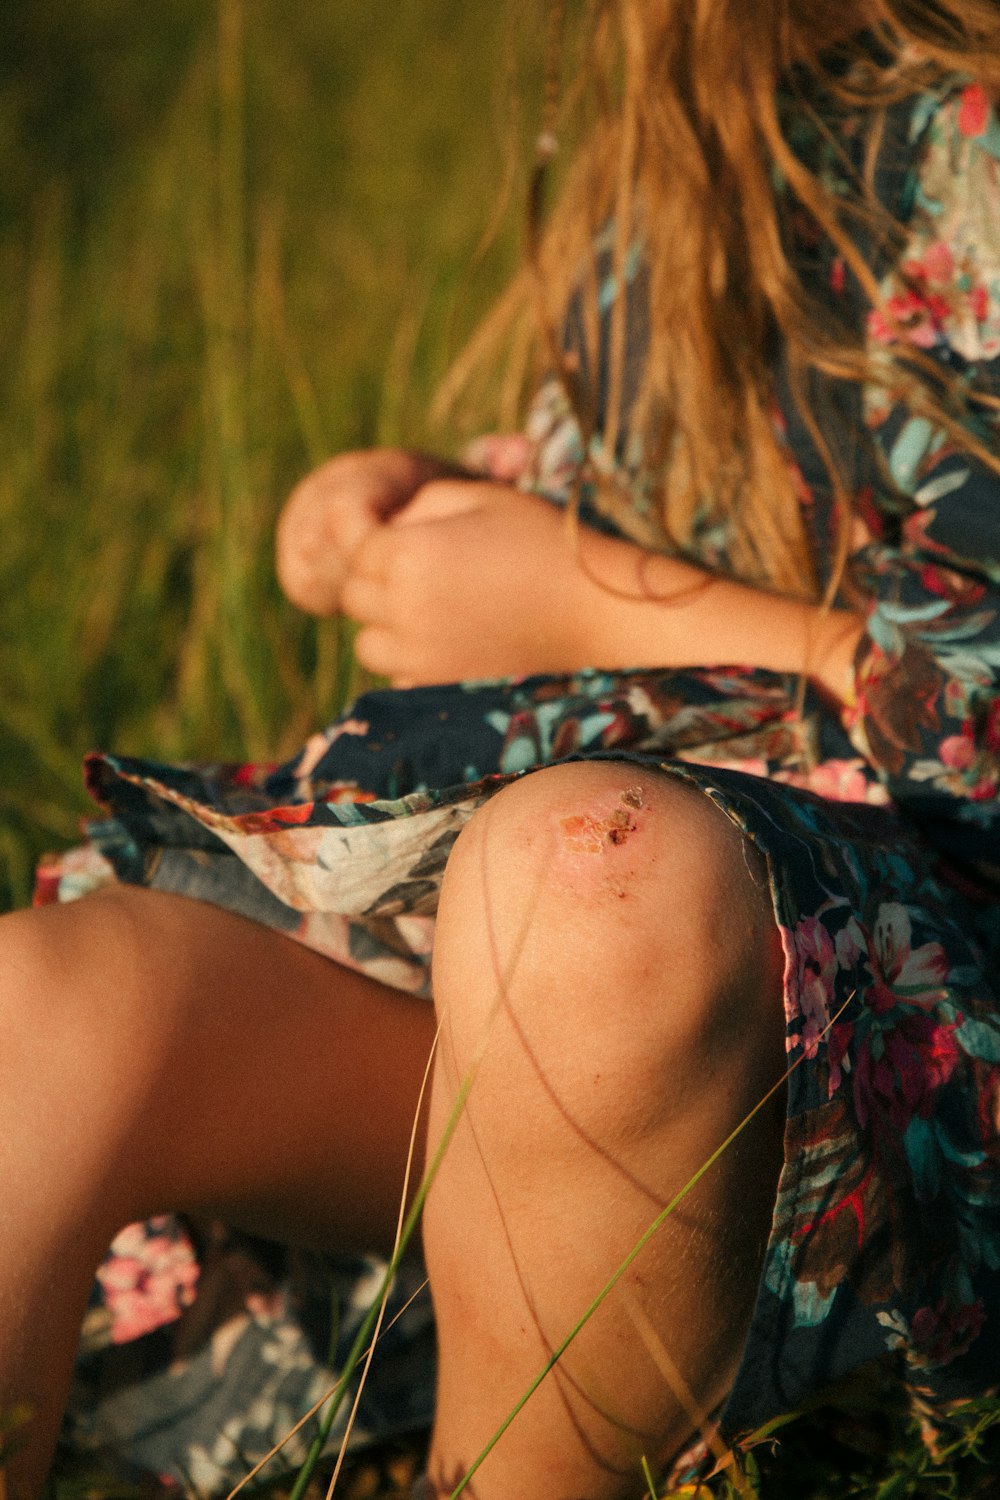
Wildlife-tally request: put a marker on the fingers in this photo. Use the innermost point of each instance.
(377, 580)
(362, 598)
(415, 585)
(329, 514)
(444, 498)
(406, 545)
(386, 592)
(309, 546)
(383, 653)
(504, 456)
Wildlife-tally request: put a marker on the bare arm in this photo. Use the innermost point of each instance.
(474, 579)
(703, 620)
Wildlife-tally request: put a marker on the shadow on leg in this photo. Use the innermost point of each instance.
(162, 1054)
(608, 962)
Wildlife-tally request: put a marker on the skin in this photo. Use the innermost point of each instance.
(335, 509)
(427, 578)
(606, 962)
(622, 1010)
(162, 1053)
(427, 582)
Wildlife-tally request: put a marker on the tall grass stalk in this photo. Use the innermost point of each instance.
(657, 1224)
(365, 1341)
(242, 244)
(375, 1312)
(234, 239)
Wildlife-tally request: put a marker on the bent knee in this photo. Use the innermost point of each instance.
(76, 1045)
(74, 995)
(609, 901)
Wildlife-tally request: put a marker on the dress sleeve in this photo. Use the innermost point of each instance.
(928, 665)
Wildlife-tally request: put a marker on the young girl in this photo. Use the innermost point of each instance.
(775, 278)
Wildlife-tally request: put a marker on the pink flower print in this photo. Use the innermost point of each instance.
(750, 765)
(839, 781)
(974, 758)
(979, 301)
(973, 110)
(147, 1280)
(899, 971)
(938, 263)
(957, 751)
(898, 1073)
(907, 316)
(816, 966)
(940, 1334)
(503, 456)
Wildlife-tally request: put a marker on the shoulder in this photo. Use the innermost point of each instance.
(943, 291)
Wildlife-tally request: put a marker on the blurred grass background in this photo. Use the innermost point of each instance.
(234, 238)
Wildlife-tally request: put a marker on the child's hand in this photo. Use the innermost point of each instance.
(328, 516)
(504, 456)
(471, 579)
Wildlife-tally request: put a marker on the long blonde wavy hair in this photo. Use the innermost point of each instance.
(682, 143)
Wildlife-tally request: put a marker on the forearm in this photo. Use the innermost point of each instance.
(479, 580)
(649, 610)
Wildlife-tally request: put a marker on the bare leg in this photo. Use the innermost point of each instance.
(606, 943)
(159, 1054)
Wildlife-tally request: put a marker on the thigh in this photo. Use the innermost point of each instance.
(210, 1064)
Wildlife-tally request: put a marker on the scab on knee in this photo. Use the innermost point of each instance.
(603, 895)
(590, 833)
(568, 837)
(603, 953)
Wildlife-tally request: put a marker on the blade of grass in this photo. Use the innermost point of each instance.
(633, 1254)
(405, 1234)
(696, 1413)
(376, 1333)
(307, 1416)
(365, 1332)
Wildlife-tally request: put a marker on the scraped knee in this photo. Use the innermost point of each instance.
(611, 910)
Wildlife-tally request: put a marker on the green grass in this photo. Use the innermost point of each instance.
(233, 239)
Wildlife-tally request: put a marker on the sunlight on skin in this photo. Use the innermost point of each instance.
(587, 834)
(564, 851)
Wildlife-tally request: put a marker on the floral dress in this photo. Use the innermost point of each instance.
(881, 833)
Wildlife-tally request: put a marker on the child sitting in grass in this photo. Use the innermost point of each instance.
(687, 781)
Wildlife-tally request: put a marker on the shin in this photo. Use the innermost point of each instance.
(608, 965)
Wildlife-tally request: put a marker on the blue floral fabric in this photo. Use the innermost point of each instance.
(880, 828)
